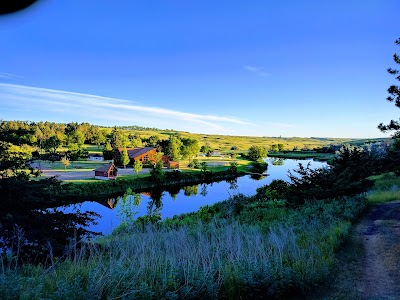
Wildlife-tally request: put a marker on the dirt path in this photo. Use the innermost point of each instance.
(368, 266)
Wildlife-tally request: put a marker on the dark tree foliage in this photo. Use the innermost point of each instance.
(156, 172)
(51, 144)
(162, 146)
(152, 141)
(347, 176)
(394, 96)
(24, 216)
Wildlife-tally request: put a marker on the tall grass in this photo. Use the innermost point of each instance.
(222, 258)
(210, 260)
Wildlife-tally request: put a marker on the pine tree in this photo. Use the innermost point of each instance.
(394, 96)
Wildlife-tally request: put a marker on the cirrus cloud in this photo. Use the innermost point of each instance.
(72, 104)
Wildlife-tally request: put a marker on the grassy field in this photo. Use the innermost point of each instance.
(75, 166)
(386, 188)
(224, 143)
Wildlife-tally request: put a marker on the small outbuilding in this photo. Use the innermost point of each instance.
(105, 172)
(167, 162)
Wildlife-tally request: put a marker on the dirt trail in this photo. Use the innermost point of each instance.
(368, 266)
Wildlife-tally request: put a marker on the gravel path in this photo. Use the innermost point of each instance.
(368, 267)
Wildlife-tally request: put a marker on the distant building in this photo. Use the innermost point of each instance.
(95, 157)
(105, 172)
(215, 153)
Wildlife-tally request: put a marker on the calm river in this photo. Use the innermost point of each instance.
(187, 199)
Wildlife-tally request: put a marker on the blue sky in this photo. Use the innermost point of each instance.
(264, 68)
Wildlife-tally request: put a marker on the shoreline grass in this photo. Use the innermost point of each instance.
(302, 155)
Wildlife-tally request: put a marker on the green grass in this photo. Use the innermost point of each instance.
(377, 197)
(133, 176)
(93, 149)
(81, 181)
(75, 166)
(386, 188)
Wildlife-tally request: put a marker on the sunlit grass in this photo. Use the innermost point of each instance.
(133, 176)
(377, 197)
(386, 188)
(80, 165)
(79, 181)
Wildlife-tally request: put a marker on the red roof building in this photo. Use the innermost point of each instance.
(144, 154)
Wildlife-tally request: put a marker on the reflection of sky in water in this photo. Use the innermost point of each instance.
(215, 192)
(281, 171)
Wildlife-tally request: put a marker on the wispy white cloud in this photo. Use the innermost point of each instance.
(259, 71)
(105, 108)
(9, 76)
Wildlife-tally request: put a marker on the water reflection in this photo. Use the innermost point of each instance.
(191, 190)
(127, 206)
(155, 204)
(233, 184)
(204, 190)
(36, 232)
(277, 161)
(173, 191)
(257, 177)
(176, 200)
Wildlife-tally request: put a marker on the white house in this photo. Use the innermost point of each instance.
(95, 157)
